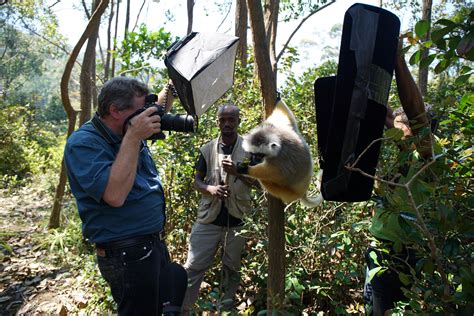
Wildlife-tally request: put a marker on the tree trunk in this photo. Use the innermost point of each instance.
(423, 71)
(271, 22)
(276, 215)
(87, 77)
(241, 24)
(127, 20)
(190, 9)
(109, 42)
(89, 14)
(54, 219)
(112, 74)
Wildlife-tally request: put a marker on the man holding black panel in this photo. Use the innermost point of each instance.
(386, 225)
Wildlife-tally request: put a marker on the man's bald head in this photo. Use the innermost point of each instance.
(228, 120)
(228, 109)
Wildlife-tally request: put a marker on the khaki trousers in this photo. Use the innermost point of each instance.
(204, 242)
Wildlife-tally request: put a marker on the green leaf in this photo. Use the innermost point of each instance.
(441, 43)
(373, 256)
(451, 248)
(428, 267)
(404, 278)
(438, 34)
(465, 70)
(374, 271)
(421, 28)
(415, 58)
(441, 66)
(454, 42)
(445, 22)
(428, 44)
(394, 133)
(425, 62)
(465, 45)
(462, 79)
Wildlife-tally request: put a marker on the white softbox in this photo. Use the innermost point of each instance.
(201, 66)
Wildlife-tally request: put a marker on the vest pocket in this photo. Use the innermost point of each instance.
(243, 202)
(204, 206)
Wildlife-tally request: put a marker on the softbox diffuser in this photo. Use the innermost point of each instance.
(201, 66)
(358, 107)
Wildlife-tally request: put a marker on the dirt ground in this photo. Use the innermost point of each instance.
(30, 282)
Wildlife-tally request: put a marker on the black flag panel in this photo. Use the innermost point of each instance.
(351, 107)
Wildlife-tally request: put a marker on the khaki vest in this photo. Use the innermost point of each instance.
(239, 201)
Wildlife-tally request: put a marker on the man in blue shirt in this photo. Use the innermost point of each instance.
(119, 194)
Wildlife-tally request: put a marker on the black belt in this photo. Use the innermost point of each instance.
(127, 242)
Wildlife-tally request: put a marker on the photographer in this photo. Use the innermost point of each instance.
(119, 195)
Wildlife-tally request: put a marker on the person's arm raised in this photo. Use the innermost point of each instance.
(124, 168)
(413, 105)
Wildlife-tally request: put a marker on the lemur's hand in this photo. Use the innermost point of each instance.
(243, 167)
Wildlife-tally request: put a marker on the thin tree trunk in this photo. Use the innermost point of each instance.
(423, 71)
(138, 15)
(127, 20)
(276, 215)
(115, 38)
(109, 44)
(271, 22)
(54, 219)
(87, 77)
(190, 10)
(88, 14)
(241, 24)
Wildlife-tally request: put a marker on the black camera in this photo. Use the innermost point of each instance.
(169, 122)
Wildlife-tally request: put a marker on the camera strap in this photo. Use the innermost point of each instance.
(99, 126)
(127, 120)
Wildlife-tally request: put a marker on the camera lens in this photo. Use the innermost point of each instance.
(177, 123)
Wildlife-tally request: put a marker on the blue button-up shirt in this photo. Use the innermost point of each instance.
(89, 157)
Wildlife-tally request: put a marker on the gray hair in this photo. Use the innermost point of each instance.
(120, 91)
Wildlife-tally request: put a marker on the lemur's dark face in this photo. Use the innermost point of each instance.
(262, 142)
(255, 159)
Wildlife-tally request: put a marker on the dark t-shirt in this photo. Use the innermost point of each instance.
(224, 218)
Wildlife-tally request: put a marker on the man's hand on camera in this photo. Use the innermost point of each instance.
(220, 191)
(145, 124)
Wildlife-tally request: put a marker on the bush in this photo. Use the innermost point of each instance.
(26, 150)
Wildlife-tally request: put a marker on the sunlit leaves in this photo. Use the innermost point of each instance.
(142, 52)
(421, 28)
(451, 43)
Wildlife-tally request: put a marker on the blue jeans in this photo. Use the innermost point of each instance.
(133, 274)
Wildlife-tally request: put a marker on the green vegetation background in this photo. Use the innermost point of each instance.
(325, 246)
